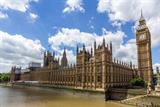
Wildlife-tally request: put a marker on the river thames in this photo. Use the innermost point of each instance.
(36, 97)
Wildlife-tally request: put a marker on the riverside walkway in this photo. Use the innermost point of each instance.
(147, 100)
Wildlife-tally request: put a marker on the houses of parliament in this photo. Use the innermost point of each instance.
(94, 70)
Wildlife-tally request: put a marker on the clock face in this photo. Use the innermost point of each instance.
(141, 37)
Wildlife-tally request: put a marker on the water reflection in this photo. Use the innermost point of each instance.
(20, 97)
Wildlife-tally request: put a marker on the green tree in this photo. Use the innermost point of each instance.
(137, 82)
(0, 77)
(4, 77)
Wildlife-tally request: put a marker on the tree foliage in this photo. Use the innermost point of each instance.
(137, 82)
(4, 77)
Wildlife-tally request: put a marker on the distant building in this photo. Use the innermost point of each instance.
(34, 65)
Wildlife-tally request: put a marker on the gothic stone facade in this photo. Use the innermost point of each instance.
(93, 70)
(97, 69)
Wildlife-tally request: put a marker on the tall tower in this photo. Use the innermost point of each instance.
(143, 41)
(64, 61)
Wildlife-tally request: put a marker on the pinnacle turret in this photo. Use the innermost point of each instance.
(142, 20)
(64, 61)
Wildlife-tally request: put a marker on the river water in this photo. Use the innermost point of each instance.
(36, 97)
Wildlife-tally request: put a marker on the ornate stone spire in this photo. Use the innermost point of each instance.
(53, 54)
(58, 60)
(131, 64)
(91, 51)
(84, 47)
(77, 49)
(157, 69)
(142, 20)
(111, 47)
(103, 42)
(64, 53)
(64, 61)
(94, 46)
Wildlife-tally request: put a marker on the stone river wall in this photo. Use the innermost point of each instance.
(121, 94)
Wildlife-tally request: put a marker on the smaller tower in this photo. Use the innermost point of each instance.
(111, 47)
(94, 47)
(77, 49)
(45, 59)
(58, 61)
(84, 49)
(53, 54)
(157, 69)
(131, 64)
(103, 42)
(64, 61)
(91, 52)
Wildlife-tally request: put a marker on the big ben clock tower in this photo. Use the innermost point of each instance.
(143, 41)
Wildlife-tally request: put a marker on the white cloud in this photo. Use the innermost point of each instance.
(3, 15)
(33, 16)
(91, 27)
(73, 5)
(117, 24)
(90, 23)
(125, 52)
(71, 37)
(103, 5)
(153, 24)
(18, 50)
(156, 65)
(18, 5)
(122, 11)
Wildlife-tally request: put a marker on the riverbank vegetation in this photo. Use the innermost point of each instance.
(137, 82)
(4, 77)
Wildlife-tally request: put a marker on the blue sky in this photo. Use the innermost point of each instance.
(28, 27)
